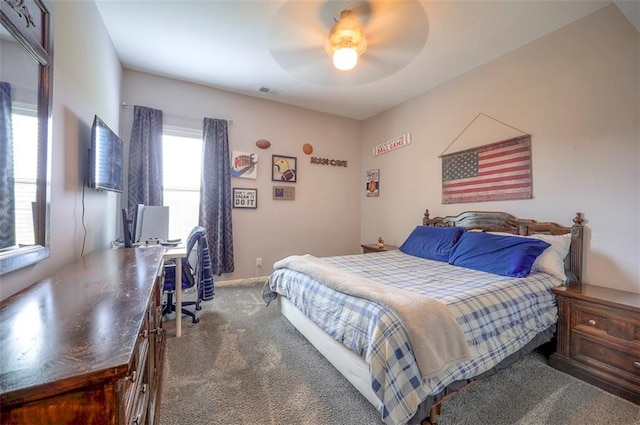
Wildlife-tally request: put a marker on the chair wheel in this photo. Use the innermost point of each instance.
(195, 320)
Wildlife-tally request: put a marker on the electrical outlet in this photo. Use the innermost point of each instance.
(258, 262)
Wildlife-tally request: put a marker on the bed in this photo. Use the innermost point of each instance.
(408, 329)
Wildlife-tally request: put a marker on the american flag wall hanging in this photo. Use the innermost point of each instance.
(495, 172)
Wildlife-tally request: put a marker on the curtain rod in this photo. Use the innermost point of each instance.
(127, 106)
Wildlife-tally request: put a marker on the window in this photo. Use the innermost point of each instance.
(182, 158)
(25, 171)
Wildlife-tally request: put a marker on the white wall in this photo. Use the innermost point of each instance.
(577, 92)
(323, 220)
(86, 81)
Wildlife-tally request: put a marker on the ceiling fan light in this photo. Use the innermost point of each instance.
(345, 58)
(346, 41)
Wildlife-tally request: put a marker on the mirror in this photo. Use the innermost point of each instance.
(25, 132)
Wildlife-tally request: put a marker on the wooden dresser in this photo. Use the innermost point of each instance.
(86, 344)
(599, 338)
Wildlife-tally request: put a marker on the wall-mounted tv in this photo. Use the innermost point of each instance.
(105, 158)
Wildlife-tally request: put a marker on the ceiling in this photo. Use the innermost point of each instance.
(278, 46)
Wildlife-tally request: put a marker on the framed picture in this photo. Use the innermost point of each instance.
(284, 193)
(284, 168)
(373, 183)
(245, 198)
(244, 165)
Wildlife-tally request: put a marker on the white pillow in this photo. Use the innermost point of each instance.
(551, 260)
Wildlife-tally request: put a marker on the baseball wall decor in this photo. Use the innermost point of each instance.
(373, 183)
(393, 144)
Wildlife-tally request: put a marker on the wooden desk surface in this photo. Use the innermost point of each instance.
(82, 321)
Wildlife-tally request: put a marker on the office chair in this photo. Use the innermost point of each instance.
(196, 271)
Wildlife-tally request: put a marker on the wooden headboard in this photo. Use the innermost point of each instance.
(496, 221)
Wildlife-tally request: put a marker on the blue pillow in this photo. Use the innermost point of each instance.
(433, 243)
(503, 255)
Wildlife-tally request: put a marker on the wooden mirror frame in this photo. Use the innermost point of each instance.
(31, 23)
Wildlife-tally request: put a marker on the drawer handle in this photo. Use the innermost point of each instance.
(133, 376)
(143, 389)
(636, 365)
(144, 334)
(592, 322)
(158, 331)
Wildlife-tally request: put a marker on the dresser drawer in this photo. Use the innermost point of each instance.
(137, 377)
(610, 357)
(140, 410)
(605, 321)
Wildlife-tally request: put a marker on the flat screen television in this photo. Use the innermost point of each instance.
(105, 158)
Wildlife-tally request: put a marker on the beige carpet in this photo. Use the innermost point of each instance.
(245, 364)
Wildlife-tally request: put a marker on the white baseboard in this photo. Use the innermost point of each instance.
(240, 282)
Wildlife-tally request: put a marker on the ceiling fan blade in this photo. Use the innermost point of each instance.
(296, 57)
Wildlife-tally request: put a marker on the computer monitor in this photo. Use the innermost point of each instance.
(154, 223)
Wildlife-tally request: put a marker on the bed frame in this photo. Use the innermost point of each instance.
(495, 221)
(353, 367)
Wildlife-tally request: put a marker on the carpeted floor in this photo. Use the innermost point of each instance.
(245, 364)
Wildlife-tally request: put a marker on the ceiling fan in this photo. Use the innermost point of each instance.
(394, 33)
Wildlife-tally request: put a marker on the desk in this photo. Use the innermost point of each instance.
(177, 253)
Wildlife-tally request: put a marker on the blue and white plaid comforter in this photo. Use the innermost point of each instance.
(498, 315)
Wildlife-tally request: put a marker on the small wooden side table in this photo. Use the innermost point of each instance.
(373, 247)
(599, 337)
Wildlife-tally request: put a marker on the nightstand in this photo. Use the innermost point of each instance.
(599, 338)
(373, 247)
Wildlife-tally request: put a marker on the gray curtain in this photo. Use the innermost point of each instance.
(215, 195)
(7, 181)
(145, 159)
